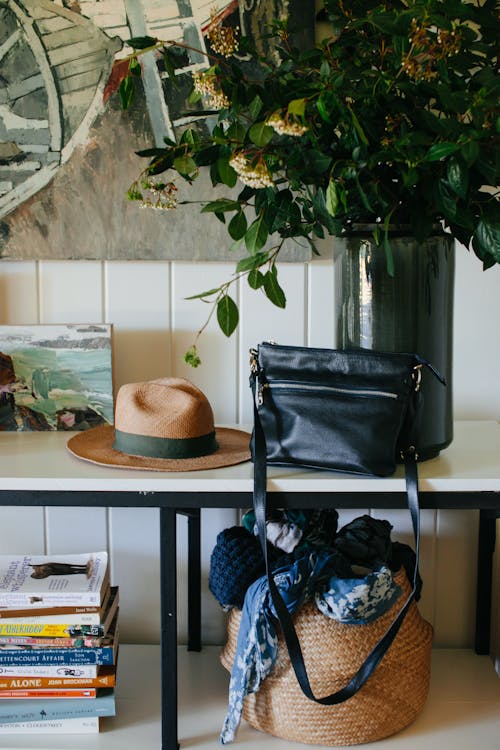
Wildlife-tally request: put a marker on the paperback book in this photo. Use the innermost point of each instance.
(54, 693)
(26, 656)
(88, 671)
(106, 677)
(86, 725)
(35, 581)
(80, 617)
(44, 709)
(60, 626)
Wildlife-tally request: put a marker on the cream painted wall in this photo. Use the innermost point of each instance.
(153, 325)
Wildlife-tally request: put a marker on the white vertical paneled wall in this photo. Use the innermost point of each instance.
(153, 325)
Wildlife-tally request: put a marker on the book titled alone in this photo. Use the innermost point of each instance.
(37, 581)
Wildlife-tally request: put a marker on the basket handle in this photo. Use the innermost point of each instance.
(294, 650)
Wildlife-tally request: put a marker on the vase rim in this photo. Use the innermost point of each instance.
(401, 230)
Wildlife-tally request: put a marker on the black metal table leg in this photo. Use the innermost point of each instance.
(194, 581)
(168, 583)
(486, 548)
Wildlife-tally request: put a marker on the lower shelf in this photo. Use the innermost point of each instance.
(462, 712)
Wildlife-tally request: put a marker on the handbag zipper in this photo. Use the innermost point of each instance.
(321, 389)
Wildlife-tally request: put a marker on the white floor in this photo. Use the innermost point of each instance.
(462, 712)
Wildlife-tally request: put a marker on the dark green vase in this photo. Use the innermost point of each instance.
(411, 311)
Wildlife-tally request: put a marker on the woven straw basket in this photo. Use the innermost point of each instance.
(390, 700)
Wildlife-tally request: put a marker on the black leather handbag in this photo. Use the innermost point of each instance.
(344, 410)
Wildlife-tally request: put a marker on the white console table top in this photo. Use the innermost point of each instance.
(40, 461)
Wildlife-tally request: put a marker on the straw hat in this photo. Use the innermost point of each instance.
(162, 425)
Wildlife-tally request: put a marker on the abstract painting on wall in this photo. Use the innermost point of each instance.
(55, 377)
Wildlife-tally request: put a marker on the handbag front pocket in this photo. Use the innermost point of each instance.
(326, 426)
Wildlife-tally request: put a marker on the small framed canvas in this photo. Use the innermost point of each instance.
(55, 377)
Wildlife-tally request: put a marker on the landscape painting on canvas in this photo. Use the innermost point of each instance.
(55, 377)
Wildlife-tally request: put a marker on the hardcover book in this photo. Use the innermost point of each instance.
(34, 581)
(46, 709)
(61, 626)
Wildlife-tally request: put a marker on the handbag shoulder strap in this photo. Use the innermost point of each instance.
(284, 617)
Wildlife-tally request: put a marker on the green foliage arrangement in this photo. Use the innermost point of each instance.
(391, 120)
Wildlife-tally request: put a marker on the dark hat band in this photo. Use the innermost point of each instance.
(158, 447)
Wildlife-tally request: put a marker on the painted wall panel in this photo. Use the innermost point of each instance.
(219, 373)
(18, 293)
(70, 292)
(137, 303)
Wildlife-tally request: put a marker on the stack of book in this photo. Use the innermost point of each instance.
(58, 643)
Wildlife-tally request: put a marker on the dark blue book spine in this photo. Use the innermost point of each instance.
(55, 656)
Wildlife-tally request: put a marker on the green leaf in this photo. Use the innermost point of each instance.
(226, 172)
(236, 132)
(457, 177)
(254, 107)
(297, 107)
(221, 205)
(126, 90)
(255, 279)
(331, 198)
(251, 262)
(190, 137)
(191, 357)
(323, 110)
(185, 165)
(142, 42)
(161, 164)
(440, 150)
(227, 314)
(256, 235)
(135, 67)
(273, 291)
(358, 127)
(237, 226)
(261, 134)
(486, 239)
(202, 295)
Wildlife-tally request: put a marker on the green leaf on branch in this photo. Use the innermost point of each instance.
(185, 165)
(220, 206)
(255, 279)
(441, 150)
(237, 227)
(457, 177)
(332, 199)
(134, 67)
(297, 107)
(256, 235)
(251, 262)
(202, 295)
(126, 90)
(261, 134)
(192, 358)
(486, 239)
(227, 314)
(226, 172)
(142, 42)
(272, 289)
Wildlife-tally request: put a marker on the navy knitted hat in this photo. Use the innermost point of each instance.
(235, 563)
